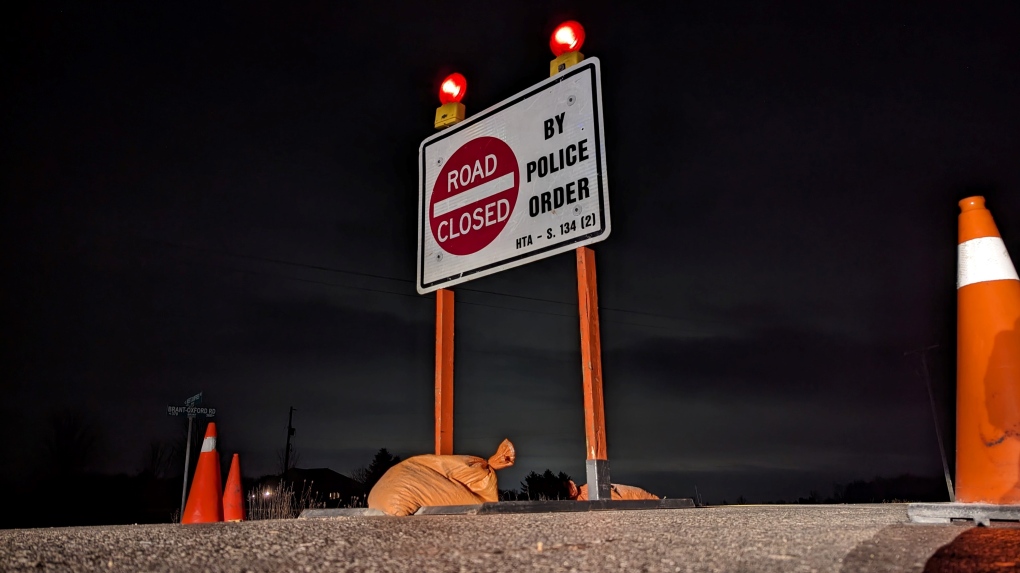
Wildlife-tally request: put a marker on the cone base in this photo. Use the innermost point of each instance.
(979, 513)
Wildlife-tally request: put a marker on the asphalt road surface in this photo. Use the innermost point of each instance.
(784, 538)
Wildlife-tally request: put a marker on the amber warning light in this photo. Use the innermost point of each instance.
(452, 89)
(567, 37)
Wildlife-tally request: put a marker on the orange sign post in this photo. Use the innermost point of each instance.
(451, 91)
(565, 43)
(597, 464)
(444, 372)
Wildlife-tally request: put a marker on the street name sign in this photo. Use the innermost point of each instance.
(521, 181)
(190, 411)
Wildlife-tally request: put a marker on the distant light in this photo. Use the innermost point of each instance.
(452, 89)
(267, 493)
(567, 37)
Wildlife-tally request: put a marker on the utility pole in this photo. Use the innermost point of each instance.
(934, 414)
(290, 432)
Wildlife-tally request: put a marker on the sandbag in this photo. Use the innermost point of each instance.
(440, 480)
(617, 491)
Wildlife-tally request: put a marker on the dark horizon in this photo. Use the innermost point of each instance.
(223, 199)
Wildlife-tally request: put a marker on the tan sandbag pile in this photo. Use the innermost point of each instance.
(617, 491)
(440, 480)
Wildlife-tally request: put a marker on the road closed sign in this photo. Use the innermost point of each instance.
(474, 195)
(518, 182)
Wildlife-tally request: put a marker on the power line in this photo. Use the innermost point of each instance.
(522, 297)
(279, 261)
(418, 297)
(518, 309)
(461, 288)
(304, 280)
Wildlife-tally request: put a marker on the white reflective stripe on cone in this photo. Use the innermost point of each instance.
(209, 444)
(983, 259)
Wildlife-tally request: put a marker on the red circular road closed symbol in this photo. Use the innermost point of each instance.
(474, 196)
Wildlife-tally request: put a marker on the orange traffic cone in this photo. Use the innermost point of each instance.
(988, 363)
(205, 500)
(233, 499)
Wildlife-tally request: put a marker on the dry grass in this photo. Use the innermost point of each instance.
(280, 502)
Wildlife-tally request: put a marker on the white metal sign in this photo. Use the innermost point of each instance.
(518, 182)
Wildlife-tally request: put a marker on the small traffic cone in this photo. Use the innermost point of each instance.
(988, 363)
(233, 499)
(205, 500)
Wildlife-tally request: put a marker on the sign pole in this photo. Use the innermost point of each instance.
(190, 410)
(444, 372)
(187, 456)
(597, 464)
(451, 91)
(566, 43)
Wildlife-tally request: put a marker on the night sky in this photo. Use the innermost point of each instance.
(222, 198)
